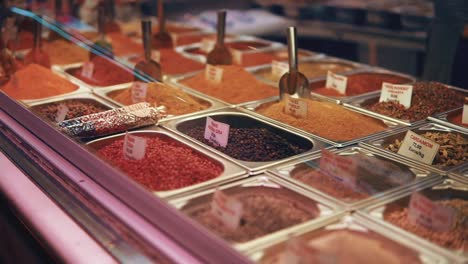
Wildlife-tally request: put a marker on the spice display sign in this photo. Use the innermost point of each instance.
(207, 45)
(397, 93)
(340, 167)
(134, 147)
(213, 73)
(62, 111)
(156, 55)
(423, 211)
(87, 70)
(227, 209)
(216, 132)
(139, 90)
(175, 38)
(465, 112)
(296, 107)
(236, 56)
(297, 252)
(336, 82)
(418, 147)
(279, 68)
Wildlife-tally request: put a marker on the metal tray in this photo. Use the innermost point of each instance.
(238, 118)
(262, 183)
(419, 175)
(437, 190)
(460, 174)
(379, 144)
(392, 126)
(231, 171)
(363, 102)
(354, 223)
(443, 119)
(84, 95)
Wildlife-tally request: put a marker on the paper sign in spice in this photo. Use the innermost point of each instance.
(297, 252)
(340, 167)
(87, 70)
(296, 107)
(396, 92)
(213, 73)
(175, 38)
(279, 68)
(207, 45)
(134, 147)
(336, 82)
(138, 90)
(216, 132)
(236, 56)
(418, 147)
(62, 111)
(465, 112)
(437, 217)
(227, 209)
(156, 55)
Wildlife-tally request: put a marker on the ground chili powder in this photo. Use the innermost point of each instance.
(174, 63)
(106, 73)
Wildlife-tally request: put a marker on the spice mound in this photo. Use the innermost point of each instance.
(428, 98)
(360, 83)
(237, 86)
(455, 238)
(173, 62)
(76, 108)
(252, 144)
(123, 45)
(167, 164)
(62, 52)
(327, 120)
(105, 73)
(174, 99)
(456, 118)
(35, 82)
(263, 213)
(453, 148)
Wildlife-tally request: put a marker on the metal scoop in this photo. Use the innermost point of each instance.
(37, 55)
(148, 66)
(162, 39)
(293, 82)
(7, 61)
(102, 45)
(220, 55)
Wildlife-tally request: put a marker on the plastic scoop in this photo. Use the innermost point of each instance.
(162, 39)
(102, 45)
(293, 82)
(220, 55)
(37, 55)
(148, 65)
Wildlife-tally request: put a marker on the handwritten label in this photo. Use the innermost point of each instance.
(340, 167)
(298, 251)
(418, 147)
(156, 55)
(396, 92)
(237, 56)
(278, 68)
(465, 112)
(227, 209)
(138, 90)
(213, 73)
(336, 82)
(422, 211)
(134, 147)
(216, 132)
(296, 107)
(62, 111)
(87, 70)
(207, 45)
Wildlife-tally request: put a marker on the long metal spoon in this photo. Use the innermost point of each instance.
(102, 45)
(148, 65)
(220, 55)
(37, 55)
(162, 39)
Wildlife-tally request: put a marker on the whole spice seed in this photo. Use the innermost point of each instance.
(428, 98)
(251, 144)
(167, 164)
(106, 73)
(76, 108)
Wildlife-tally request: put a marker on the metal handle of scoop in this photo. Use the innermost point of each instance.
(101, 21)
(161, 20)
(37, 33)
(221, 27)
(146, 29)
(292, 49)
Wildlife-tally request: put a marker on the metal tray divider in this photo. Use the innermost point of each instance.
(460, 174)
(441, 118)
(78, 96)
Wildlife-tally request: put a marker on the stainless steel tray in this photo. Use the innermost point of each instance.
(441, 189)
(235, 118)
(258, 184)
(460, 174)
(419, 176)
(78, 96)
(379, 144)
(443, 119)
(231, 171)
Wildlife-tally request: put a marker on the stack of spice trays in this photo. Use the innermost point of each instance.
(433, 216)
(327, 121)
(451, 119)
(353, 177)
(172, 166)
(264, 208)
(343, 238)
(415, 145)
(249, 141)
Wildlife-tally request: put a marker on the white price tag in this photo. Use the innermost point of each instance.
(236, 56)
(139, 90)
(62, 111)
(298, 251)
(156, 55)
(340, 167)
(213, 73)
(216, 132)
(396, 92)
(296, 107)
(87, 70)
(134, 147)
(175, 38)
(227, 209)
(279, 68)
(465, 112)
(336, 82)
(422, 211)
(207, 45)
(418, 147)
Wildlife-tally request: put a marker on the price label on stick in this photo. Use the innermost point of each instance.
(175, 38)
(465, 112)
(139, 90)
(337, 82)
(236, 56)
(213, 73)
(396, 92)
(207, 45)
(216, 132)
(134, 147)
(87, 70)
(156, 55)
(279, 68)
(418, 147)
(227, 209)
(62, 111)
(298, 251)
(296, 107)
(437, 217)
(340, 167)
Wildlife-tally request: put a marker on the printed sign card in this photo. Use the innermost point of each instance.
(227, 209)
(397, 92)
(139, 90)
(418, 148)
(423, 211)
(134, 147)
(336, 82)
(216, 132)
(296, 107)
(213, 73)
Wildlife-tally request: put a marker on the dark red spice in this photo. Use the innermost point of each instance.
(106, 73)
(457, 118)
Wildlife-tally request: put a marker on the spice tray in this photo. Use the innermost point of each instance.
(251, 108)
(460, 174)
(366, 101)
(200, 35)
(85, 96)
(436, 191)
(103, 92)
(377, 177)
(263, 186)
(380, 144)
(444, 119)
(231, 171)
(240, 119)
(353, 225)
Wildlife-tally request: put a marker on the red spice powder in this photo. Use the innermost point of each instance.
(174, 63)
(106, 73)
(123, 45)
(457, 118)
